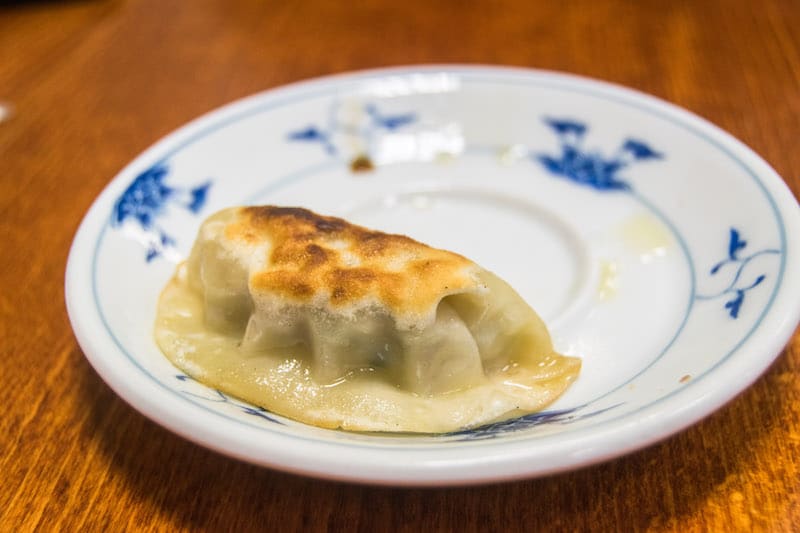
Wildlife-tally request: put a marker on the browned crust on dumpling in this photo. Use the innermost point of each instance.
(312, 255)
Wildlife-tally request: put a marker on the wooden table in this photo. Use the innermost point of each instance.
(92, 83)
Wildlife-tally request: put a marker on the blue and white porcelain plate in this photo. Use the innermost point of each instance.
(658, 248)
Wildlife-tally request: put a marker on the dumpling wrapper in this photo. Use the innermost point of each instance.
(339, 326)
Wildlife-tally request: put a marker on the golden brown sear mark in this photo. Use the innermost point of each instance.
(293, 218)
(313, 254)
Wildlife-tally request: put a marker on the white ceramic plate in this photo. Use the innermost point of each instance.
(657, 247)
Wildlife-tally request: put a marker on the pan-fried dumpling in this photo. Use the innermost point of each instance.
(338, 326)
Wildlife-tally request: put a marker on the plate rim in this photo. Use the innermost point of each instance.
(468, 470)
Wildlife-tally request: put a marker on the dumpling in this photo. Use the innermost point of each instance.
(339, 326)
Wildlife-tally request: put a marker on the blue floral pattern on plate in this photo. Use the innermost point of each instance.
(735, 289)
(147, 198)
(556, 416)
(363, 131)
(589, 168)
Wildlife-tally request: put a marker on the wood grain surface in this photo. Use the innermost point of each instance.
(93, 83)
